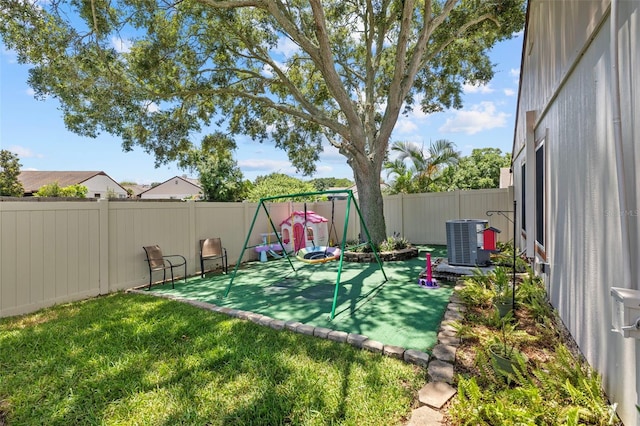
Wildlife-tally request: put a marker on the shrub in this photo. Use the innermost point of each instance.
(394, 243)
(55, 190)
(552, 387)
(478, 290)
(505, 258)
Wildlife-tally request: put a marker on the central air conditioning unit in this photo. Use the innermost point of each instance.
(465, 240)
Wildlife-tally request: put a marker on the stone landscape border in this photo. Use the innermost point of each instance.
(358, 340)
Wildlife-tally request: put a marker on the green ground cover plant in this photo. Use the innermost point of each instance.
(391, 243)
(132, 359)
(550, 384)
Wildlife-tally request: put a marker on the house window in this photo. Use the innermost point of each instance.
(97, 195)
(540, 195)
(523, 198)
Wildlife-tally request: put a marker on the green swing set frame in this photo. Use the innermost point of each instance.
(350, 199)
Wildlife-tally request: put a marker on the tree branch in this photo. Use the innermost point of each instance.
(233, 4)
(396, 94)
(327, 68)
(284, 108)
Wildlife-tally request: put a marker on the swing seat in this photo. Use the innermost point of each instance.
(318, 254)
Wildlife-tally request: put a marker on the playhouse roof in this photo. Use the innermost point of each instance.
(312, 217)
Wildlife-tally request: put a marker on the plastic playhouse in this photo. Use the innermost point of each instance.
(304, 229)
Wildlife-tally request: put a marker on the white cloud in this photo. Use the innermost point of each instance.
(268, 71)
(482, 88)
(266, 166)
(322, 170)
(515, 73)
(32, 93)
(121, 45)
(413, 121)
(480, 117)
(152, 107)
(416, 112)
(23, 152)
(286, 47)
(509, 92)
(405, 126)
(330, 152)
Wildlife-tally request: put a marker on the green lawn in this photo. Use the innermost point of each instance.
(131, 359)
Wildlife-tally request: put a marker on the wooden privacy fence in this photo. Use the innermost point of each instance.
(59, 251)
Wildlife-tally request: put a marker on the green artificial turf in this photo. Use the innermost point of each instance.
(396, 312)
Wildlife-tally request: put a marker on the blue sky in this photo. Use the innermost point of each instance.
(35, 131)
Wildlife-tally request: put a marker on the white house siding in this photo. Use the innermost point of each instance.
(566, 81)
(175, 188)
(100, 186)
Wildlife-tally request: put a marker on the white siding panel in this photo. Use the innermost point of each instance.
(584, 228)
(549, 60)
(573, 100)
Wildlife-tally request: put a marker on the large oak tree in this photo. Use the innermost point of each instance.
(355, 66)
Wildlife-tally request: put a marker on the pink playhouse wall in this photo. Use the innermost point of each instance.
(317, 233)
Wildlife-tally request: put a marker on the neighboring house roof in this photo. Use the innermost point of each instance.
(33, 180)
(167, 189)
(195, 182)
(137, 189)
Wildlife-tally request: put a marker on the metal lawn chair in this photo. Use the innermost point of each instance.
(159, 262)
(211, 249)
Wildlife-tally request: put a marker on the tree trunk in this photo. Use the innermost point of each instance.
(367, 177)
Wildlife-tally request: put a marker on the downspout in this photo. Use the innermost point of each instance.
(617, 139)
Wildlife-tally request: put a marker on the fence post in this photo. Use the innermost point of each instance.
(402, 216)
(103, 235)
(193, 252)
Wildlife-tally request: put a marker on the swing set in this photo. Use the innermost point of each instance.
(314, 254)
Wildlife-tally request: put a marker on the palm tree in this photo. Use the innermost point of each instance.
(403, 182)
(426, 168)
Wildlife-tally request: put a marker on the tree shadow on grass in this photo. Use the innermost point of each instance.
(161, 362)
